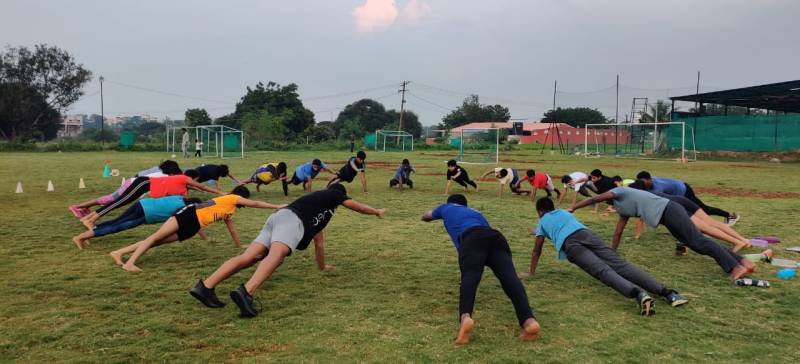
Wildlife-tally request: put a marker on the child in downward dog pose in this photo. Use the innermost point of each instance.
(189, 220)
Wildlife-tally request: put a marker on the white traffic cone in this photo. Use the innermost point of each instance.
(81, 185)
(50, 187)
(123, 182)
(19, 187)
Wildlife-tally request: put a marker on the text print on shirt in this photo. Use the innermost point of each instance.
(320, 218)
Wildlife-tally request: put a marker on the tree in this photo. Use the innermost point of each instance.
(660, 108)
(35, 86)
(265, 128)
(574, 116)
(230, 120)
(411, 122)
(369, 115)
(471, 110)
(276, 99)
(195, 117)
(319, 132)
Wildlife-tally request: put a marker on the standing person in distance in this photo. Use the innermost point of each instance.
(198, 148)
(185, 143)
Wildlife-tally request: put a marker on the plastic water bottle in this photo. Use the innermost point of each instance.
(787, 273)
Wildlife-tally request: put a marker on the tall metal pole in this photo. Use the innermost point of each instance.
(102, 115)
(696, 106)
(616, 121)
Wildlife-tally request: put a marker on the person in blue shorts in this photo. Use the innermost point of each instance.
(584, 248)
(479, 246)
(403, 175)
(306, 173)
(144, 211)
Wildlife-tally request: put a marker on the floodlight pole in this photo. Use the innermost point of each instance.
(102, 115)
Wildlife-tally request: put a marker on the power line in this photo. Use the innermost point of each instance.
(429, 102)
(166, 93)
(349, 93)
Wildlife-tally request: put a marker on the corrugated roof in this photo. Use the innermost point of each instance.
(782, 96)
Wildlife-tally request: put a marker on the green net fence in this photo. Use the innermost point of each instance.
(127, 139)
(742, 133)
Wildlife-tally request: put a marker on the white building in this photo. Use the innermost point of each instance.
(71, 125)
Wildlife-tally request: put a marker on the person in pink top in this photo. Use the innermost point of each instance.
(156, 186)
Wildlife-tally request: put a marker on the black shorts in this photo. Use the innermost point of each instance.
(347, 174)
(188, 225)
(690, 207)
(295, 180)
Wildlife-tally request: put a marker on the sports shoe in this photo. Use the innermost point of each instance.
(681, 250)
(675, 299)
(733, 219)
(646, 304)
(245, 302)
(206, 295)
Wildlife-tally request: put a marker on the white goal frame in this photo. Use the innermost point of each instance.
(655, 136)
(218, 151)
(460, 157)
(392, 134)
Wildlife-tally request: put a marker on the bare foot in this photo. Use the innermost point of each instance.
(88, 223)
(467, 324)
(530, 330)
(739, 246)
(78, 242)
(737, 272)
(117, 257)
(131, 268)
(750, 266)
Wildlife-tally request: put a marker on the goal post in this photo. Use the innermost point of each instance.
(393, 140)
(640, 140)
(477, 146)
(219, 141)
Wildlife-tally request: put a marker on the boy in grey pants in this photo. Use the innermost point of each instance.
(585, 249)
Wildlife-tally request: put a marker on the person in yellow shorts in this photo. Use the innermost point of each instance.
(268, 173)
(189, 220)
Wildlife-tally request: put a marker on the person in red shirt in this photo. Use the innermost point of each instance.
(539, 181)
(156, 186)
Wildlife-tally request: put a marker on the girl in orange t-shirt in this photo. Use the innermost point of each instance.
(189, 220)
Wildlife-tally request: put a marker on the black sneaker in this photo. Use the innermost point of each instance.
(675, 299)
(646, 304)
(245, 302)
(206, 295)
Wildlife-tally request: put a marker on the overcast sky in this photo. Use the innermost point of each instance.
(508, 52)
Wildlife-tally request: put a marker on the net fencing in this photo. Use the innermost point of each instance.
(743, 133)
(477, 146)
(639, 140)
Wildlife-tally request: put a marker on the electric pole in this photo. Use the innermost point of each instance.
(402, 92)
(102, 115)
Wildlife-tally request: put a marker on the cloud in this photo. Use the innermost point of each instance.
(415, 10)
(375, 15)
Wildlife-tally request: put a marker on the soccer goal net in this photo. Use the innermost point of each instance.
(393, 140)
(477, 146)
(218, 141)
(640, 140)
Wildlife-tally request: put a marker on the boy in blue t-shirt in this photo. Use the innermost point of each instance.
(403, 175)
(581, 246)
(480, 246)
(306, 173)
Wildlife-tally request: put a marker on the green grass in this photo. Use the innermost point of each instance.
(393, 296)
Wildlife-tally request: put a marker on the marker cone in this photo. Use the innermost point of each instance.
(106, 170)
(123, 182)
(50, 187)
(81, 185)
(19, 187)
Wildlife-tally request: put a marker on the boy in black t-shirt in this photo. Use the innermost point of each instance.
(288, 229)
(349, 171)
(459, 175)
(213, 173)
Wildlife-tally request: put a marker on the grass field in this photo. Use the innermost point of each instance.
(393, 296)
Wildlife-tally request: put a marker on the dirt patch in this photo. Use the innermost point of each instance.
(744, 166)
(728, 192)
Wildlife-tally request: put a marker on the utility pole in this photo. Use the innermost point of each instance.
(616, 121)
(102, 115)
(402, 92)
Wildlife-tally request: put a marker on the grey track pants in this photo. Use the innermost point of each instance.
(587, 250)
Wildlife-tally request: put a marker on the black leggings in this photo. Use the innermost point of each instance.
(138, 187)
(483, 246)
(463, 180)
(711, 210)
(680, 225)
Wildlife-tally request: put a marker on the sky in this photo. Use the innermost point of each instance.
(162, 57)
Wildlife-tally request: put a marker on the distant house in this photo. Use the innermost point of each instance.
(71, 126)
(534, 132)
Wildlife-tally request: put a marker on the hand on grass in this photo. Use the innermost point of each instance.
(328, 268)
(525, 274)
(532, 231)
(380, 213)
